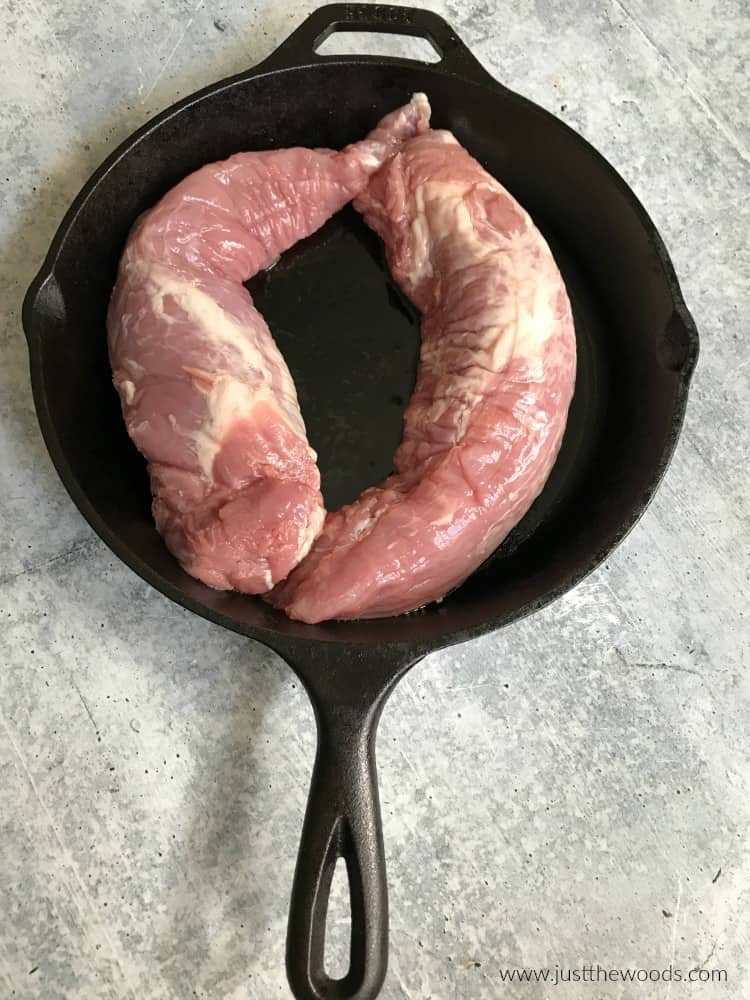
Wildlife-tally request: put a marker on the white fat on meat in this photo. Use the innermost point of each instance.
(223, 330)
(515, 325)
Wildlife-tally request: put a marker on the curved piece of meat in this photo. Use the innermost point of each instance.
(485, 422)
(205, 392)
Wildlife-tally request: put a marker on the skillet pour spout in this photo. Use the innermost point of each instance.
(637, 347)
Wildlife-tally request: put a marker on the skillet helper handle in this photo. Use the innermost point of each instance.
(300, 47)
(342, 821)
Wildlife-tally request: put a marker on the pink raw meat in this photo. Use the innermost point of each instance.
(205, 393)
(496, 376)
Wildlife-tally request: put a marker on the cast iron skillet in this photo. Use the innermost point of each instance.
(351, 342)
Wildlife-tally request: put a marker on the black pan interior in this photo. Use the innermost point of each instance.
(351, 339)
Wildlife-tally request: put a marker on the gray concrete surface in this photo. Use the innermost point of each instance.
(573, 790)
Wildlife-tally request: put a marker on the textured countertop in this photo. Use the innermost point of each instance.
(572, 790)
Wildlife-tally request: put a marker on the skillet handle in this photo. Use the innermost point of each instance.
(342, 821)
(300, 47)
(348, 687)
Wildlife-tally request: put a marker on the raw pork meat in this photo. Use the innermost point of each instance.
(205, 393)
(485, 422)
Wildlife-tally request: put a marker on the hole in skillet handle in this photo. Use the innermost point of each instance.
(380, 43)
(303, 45)
(337, 948)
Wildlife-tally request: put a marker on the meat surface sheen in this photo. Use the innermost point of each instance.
(495, 380)
(205, 392)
